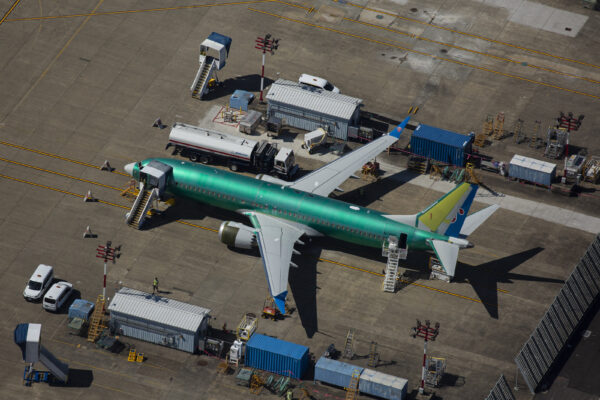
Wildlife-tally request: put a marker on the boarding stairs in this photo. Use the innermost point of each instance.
(349, 344)
(392, 250)
(28, 338)
(200, 86)
(96, 321)
(141, 206)
(352, 389)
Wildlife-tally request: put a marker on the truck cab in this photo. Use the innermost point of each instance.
(285, 163)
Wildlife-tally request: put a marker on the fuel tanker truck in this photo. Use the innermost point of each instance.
(206, 146)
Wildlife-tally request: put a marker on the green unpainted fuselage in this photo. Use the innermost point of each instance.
(330, 217)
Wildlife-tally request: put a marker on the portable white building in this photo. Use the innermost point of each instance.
(158, 319)
(307, 107)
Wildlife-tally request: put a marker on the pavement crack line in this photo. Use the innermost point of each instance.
(384, 43)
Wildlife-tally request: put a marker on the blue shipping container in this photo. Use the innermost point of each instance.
(335, 372)
(81, 309)
(382, 385)
(440, 145)
(277, 356)
(240, 99)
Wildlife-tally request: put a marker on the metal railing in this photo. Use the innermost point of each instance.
(562, 318)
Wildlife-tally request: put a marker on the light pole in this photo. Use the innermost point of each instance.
(108, 254)
(265, 44)
(426, 332)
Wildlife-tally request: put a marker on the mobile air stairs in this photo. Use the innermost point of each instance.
(28, 337)
(153, 180)
(394, 249)
(209, 65)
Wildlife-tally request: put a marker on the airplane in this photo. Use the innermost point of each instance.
(281, 212)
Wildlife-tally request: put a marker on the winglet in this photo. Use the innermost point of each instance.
(398, 130)
(280, 301)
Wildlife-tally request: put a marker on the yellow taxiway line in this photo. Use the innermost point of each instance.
(510, 60)
(543, 53)
(214, 230)
(10, 10)
(43, 153)
(194, 6)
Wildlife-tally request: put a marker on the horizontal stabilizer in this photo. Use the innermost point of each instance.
(447, 253)
(404, 219)
(473, 221)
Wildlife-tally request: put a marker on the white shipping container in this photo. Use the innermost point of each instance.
(382, 385)
(532, 170)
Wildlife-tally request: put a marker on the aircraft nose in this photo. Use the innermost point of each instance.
(129, 168)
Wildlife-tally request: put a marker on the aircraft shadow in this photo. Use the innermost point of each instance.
(370, 193)
(485, 277)
(192, 211)
(303, 285)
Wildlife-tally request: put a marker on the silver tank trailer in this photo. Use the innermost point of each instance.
(195, 138)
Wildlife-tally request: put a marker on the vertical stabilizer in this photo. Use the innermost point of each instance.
(447, 215)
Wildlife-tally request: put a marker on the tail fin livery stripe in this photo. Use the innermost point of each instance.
(445, 209)
(398, 130)
(454, 228)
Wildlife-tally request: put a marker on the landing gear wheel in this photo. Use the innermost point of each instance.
(233, 166)
(204, 159)
(194, 157)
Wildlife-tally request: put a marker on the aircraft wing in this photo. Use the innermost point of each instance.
(276, 239)
(325, 179)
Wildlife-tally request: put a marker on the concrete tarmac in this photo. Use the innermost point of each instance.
(83, 82)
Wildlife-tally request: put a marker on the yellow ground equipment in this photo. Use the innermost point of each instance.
(246, 327)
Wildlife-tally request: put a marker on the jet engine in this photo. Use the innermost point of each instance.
(237, 235)
(272, 179)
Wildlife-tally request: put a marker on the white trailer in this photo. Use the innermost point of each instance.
(202, 145)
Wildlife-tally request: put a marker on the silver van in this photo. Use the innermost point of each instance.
(57, 295)
(39, 282)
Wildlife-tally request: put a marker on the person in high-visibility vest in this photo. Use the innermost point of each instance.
(155, 285)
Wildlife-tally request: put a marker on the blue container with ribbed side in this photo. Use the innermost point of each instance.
(277, 356)
(335, 372)
(441, 145)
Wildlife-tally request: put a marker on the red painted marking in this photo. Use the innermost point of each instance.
(453, 220)
(461, 211)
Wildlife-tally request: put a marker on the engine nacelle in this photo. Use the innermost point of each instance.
(237, 235)
(272, 179)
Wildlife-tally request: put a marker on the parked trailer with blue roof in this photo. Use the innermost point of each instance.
(441, 145)
(277, 356)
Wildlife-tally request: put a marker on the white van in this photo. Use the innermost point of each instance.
(38, 283)
(57, 295)
(317, 82)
